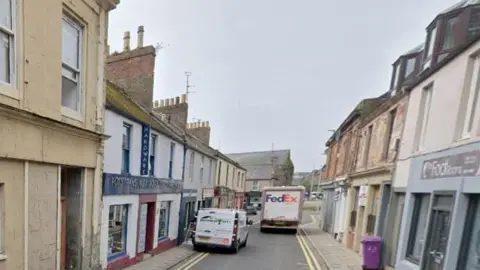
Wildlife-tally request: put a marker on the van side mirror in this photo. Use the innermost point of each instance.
(250, 222)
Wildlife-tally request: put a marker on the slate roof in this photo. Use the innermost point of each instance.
(461, 4)
(259, 164)
(199, 146)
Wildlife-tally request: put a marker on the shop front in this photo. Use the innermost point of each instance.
(208, 194)
(441, 221)
(187, 212)
(138, 217)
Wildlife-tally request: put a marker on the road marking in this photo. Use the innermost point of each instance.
(192, 262)
(309, 261)
(307, 247)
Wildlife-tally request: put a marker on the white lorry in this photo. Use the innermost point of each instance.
(282, 208)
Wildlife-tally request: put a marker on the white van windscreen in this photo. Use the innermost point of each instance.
(214, 222)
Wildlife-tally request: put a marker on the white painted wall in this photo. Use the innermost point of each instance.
(448, 85)
(194, 182)
(113, 148)
(173, 218)
(132, 201)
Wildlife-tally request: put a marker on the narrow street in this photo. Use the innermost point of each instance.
(264, 251)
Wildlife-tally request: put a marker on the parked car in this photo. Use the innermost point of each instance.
(220, 228)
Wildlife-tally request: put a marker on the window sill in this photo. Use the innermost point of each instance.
(75, 115)
(9, 91)
(3, 257)
(163, 239)
(116, 256)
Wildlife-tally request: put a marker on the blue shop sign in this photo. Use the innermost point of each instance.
(145, 152)
(120, 184)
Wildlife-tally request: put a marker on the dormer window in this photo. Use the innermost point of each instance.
(409, 66)
(448, 33)
(432, 34)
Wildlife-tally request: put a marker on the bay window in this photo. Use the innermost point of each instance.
(117, 230)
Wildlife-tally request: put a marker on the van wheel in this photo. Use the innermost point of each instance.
(196, 248)
(236, 247)
(263, 230)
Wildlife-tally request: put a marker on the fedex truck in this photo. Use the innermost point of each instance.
(282, 207)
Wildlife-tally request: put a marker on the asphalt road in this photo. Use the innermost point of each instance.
(264, 251)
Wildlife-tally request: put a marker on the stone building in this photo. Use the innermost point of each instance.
(51, 113)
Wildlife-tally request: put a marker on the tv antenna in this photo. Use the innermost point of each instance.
(187, 83)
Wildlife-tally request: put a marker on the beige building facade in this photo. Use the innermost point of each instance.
(229, 183)
(51, 114)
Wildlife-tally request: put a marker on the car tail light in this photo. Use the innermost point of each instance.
(235, 229)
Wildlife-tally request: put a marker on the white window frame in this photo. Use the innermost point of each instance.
(202, 161)
(427, 61)
(255, 185)
(76, 114)
(423, 116)
(12, 43)
(472, 109)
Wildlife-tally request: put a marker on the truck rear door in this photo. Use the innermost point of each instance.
(282, 205)
(214, 227)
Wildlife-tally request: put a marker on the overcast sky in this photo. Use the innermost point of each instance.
(278, 72)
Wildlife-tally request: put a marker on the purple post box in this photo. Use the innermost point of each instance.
(372, 252)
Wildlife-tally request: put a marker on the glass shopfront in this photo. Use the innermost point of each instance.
(163, 219)
(117, 230)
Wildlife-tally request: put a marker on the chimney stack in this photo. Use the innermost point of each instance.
(140, 32)
(176, 109)
(126, 41)
(201, 130)
(134, 70)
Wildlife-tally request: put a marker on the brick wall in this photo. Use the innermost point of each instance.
(331, 161)
(175, 109)
(347, 149)
(380, 122)
(133, 70)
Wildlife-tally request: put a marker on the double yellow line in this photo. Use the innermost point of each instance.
(193, 261)
(307, 252)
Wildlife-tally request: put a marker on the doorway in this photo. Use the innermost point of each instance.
(440, 220)
(146, 227)
(71, 209)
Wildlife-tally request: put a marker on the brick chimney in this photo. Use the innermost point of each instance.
(174, 110)
(201, 130)
(133, 70)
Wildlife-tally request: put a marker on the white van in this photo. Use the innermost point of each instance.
(223, 228)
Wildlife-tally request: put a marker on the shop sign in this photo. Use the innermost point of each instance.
(144, 153)
(208, 193)
(119, 184)
(459, 165)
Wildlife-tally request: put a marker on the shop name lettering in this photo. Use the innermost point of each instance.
(144, 183)
(145, 145)
(460, 165)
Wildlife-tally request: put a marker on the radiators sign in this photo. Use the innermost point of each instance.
(464, 164)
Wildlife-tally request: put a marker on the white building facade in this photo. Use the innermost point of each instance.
(142, 185)
(439, 164)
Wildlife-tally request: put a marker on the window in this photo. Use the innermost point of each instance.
(170, 162)
(126, 139)
(226, 177)
(429, 48)
(192, 166)
(423, 116)
(238, 179)
(210, 168)
(469, 249)
(202, 161)
(448, 34)
(255, 185)
(418, 227)
(396, 68)
(6, 41)
(388, 140)
(474, 23)
(471, 98)
(71, 59)
(153, 147)
(409, 66)
(117, 230)
(163, 219)
(219, 173)
(368, 141)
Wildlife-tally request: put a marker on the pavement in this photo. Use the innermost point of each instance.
(310, 249)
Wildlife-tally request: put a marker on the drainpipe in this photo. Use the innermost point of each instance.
(181, 209)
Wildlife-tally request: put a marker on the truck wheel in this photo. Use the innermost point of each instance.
(262, 230)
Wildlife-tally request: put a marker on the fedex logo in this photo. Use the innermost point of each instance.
(284, 198)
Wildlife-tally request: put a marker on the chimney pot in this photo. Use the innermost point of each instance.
(183, 98)
(172, 101)
(155, 104)
(126, 41)
(177, 100)
(140, 32)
